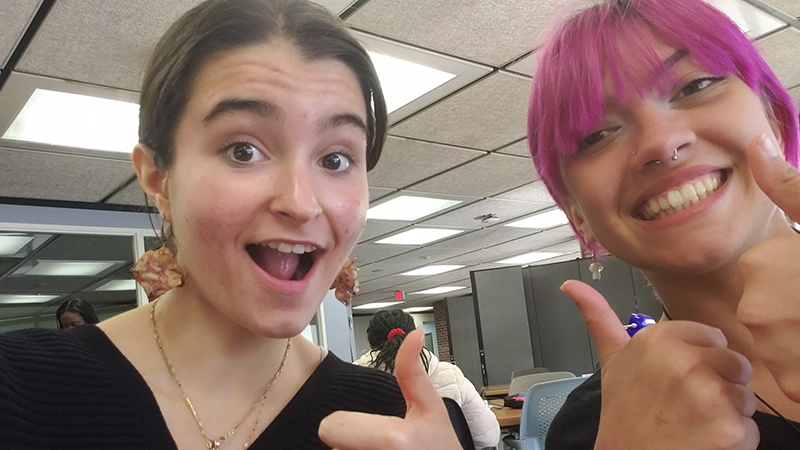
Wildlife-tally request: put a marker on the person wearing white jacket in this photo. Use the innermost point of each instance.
(386, 332)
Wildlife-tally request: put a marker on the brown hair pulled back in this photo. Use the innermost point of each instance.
(224, 25)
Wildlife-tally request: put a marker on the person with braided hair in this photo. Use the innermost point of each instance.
(386, 332)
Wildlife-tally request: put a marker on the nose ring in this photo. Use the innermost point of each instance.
(675, 155)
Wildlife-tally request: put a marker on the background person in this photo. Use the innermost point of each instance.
(386, 332)
(74, 313)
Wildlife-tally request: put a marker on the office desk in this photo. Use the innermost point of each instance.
(497, 390)
(508, 417)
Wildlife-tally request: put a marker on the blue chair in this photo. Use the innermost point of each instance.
(542, 402)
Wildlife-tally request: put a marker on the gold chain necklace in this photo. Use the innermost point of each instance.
(213, 444)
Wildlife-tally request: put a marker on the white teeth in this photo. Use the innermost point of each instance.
(284, 247)
(674, 198)
(680, 198)
(700, 188)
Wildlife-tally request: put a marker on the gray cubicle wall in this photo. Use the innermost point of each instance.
(464, 337)
(503, 332)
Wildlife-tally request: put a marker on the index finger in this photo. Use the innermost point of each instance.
(775, 176)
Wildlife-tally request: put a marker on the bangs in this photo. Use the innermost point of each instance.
(615, 40)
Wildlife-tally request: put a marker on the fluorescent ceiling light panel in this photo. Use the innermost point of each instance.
(376, 305)
(78, 121)
(56, 268)
(414, 309)
(547, 219)
(409, 207)
(118, 285)
(404, 81)
(10, 244)
(419, 236)
(750, 19)
(432, 270)
(12, 299)
(440, 290)
(529, 258)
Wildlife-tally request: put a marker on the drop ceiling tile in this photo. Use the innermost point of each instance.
(369, 253)
(780, 50)
(791, 7)
(482, 177)
(422, 285)
(407, 261)
(486, 115)
(103, 42)
(335, 6)
(518, 148)
(571, 246)
(57, 176)
(484, 238)
(132, 194)
(89, 247)
(525, 66)
(384, 295)
(376, 192)
(466, 216)
(43, 285)
(534, 192)
(377, 228)
(406, 161)
(379, 284)
(490, 32)
(14, 19)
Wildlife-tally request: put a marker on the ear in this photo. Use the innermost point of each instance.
(576, 219)
(152, 180)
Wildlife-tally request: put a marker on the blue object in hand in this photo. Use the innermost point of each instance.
(638, 322)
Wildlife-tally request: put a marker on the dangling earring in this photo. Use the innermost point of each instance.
(595, 267)
(346, 283)
(157, 271)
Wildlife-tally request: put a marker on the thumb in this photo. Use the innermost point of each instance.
(421, 397)
(607, 332)
(775, 176)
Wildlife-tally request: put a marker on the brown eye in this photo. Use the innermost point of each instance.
(336, 162)
(243, 152)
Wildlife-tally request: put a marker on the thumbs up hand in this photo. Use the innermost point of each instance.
(770, 305)
(674, 385)
(426, 425)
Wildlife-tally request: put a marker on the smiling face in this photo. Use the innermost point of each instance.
(688, 215)
(268, 189)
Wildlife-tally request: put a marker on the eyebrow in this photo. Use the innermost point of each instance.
(337, 120)
(262, 108)
(676, 57)
(668, 64)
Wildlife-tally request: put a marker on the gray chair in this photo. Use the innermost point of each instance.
(520, 372)
(521, 384)
(542, 402)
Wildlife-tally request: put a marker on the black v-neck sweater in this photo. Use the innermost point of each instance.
(75, 390)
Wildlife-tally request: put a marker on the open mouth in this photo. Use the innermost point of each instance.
(282, 260)
(683, 196)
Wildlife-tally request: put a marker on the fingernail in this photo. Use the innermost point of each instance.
(768, 146)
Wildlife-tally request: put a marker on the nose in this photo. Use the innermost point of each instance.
(295, 195)
(663, 136)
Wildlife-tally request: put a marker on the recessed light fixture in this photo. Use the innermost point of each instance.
(56, 268)
(404, 81)
(751, 20)
(377, 305)
(12, 299)
(543, 220)
(409, 207)
(117, 285)
(11, 244)
(440, 290)
(432, 270)
(419, 236)
(414, 309)
(528, 258)
(79, 121)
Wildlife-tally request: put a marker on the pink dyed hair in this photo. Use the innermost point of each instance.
(567, 93)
